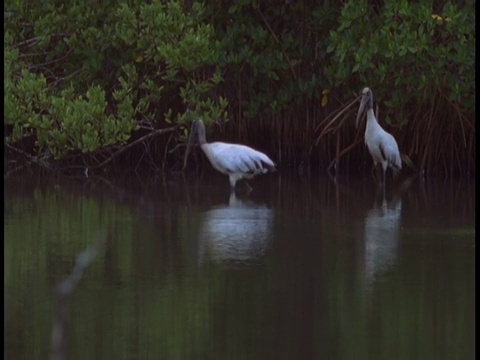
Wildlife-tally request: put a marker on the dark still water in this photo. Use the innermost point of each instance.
(300, 268)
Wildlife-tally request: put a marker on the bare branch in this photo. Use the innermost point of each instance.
(51, 62)
(278, 42)
(65, 78)
(32, 41)
(143, 138)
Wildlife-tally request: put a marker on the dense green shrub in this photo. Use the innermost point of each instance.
(84, 78)
(271, 53)
(407, 53)
(91, 80)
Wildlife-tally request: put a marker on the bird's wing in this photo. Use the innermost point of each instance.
(262, 162)
(240, 158)
(390, 152)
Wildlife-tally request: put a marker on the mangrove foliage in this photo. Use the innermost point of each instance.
(115, 84)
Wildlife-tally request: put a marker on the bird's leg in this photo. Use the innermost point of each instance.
(384, 176)
(247, 188)
(383, 187)
(233, 182)
(374, 172)
(384, 183)
(379, 195)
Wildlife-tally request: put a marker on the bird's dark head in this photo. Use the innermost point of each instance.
(366, 103)
(196, 136)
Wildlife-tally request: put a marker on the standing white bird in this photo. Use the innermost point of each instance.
(382, 145)
(235, 160)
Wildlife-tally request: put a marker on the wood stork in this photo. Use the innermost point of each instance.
(235, 160)
(382, 145)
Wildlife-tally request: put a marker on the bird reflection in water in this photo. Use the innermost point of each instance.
(382, 227)
(236, 234)
(382, 232)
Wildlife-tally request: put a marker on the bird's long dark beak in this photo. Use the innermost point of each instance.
(191, 141)
(363, 102)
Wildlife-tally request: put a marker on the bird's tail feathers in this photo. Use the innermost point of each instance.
(271, 167)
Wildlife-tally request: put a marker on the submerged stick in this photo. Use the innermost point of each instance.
(63, 291)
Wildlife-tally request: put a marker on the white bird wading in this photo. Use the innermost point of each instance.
(235, 160)
(382, 146)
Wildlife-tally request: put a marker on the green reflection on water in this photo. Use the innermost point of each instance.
(45, 228)
(147, 295)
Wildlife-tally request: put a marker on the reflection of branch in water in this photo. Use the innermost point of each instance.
(62, 292)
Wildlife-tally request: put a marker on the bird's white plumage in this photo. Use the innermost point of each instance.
(235, 160)
(382, 146)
